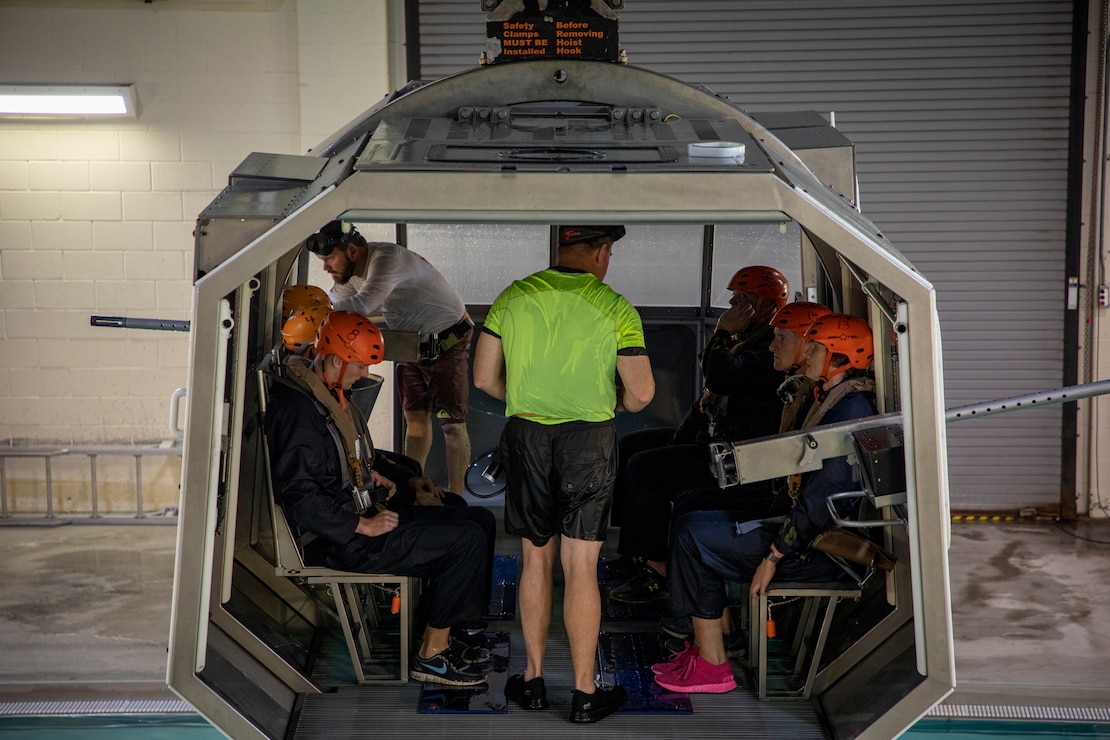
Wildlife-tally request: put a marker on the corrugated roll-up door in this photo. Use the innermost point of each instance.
(959, 114)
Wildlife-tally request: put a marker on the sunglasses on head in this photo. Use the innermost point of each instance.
(323, 244)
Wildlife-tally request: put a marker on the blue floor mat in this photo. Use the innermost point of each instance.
(502, 603)
(627, 658)
(488, 698)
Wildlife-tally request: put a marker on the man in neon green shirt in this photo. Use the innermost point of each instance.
(552, 347)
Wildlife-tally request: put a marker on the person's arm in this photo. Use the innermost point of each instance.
(428, 492)
(379, 524)
(765, 572)
(489, 365)
(639, 383)
(725, 369)
(736, 319)
(383, 274)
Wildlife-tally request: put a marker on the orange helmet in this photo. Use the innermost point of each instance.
(797, 316)
(765, 282)
(846, 335)
(301, 327)
(351, 337)
(296, 297)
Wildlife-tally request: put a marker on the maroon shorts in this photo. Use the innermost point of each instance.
(441, 387)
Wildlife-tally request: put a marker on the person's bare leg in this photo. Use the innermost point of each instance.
(435, 641)
(659, 566)
(418, 435)
(710, 640)
(456, 439)
(535, 603)
(582, 607)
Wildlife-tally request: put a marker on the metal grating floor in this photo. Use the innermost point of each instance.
(390, 710)
(94, 708)
(994, 711)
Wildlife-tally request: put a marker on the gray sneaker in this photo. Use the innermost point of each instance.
(443, 669)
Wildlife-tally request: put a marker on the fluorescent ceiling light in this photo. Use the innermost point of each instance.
(55, 101)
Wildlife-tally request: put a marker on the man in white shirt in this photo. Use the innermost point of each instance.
(384, 278)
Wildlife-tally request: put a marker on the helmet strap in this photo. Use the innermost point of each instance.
(338, 388)
(826, 376)
(339, 379)
(797, 363)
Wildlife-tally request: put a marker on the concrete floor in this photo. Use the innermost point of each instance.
(85, 612)
(1031, 612)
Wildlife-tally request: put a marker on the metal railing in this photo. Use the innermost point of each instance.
(48, 454)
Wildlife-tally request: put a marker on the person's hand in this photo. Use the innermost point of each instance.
(736, 318)
(705, 402)
(382, 522)
(764, 574)
(381, 480)
(427, 492)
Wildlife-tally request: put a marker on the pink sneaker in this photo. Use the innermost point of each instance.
(677, 661)
(699, 677)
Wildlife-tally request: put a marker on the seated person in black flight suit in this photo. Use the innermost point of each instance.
(739, 402)
(360, 506)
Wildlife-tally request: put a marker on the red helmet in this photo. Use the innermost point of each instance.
(350, 337)
(797, 316)
(296, 297)
(846, 335)
(765, 282)
(301, 327)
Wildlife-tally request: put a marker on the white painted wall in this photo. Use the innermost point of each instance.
(97, 217)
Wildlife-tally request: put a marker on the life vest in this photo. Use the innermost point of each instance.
(346, 425)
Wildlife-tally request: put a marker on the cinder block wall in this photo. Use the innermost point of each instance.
(96, 217)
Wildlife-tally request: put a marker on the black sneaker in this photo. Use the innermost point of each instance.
(623, 567)
(528, 694)
(442, 669)
(681, 627)
(598, 705)
(469, 654)
(736, 644)
(643, 588)
(469, 628)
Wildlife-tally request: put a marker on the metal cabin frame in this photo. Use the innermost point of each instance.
(374, 169)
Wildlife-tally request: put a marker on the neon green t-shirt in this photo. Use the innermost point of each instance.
(560, 332)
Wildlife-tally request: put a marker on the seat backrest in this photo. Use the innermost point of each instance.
(289, 560)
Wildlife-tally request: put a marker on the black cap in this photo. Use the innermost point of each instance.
(569, 235)
(334, 234)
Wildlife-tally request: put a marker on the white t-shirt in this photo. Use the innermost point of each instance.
(402, 286)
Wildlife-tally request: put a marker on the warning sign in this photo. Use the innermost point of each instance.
(548, 37)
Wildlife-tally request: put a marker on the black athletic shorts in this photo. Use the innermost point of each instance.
(560, 479)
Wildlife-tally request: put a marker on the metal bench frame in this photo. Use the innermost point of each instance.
(357, 622)
(814, 595)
